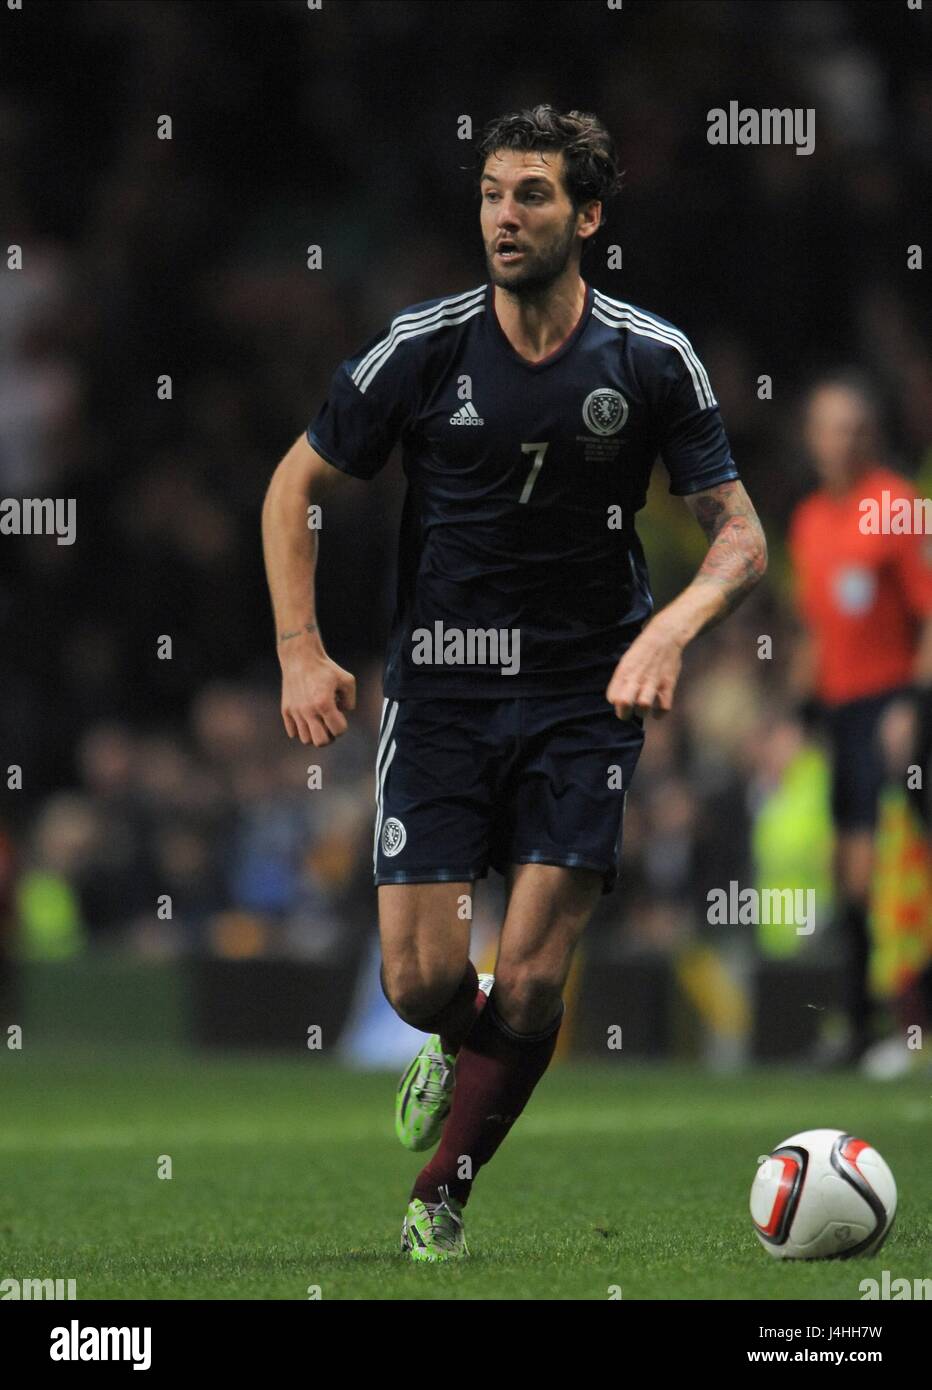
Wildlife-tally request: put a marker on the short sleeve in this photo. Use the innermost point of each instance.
(693, 442)
(368, 406)
(913, 564)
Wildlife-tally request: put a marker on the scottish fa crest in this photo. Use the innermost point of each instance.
(605, 410)
(394, 836)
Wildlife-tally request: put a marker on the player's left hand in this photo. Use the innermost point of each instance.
(645, 678)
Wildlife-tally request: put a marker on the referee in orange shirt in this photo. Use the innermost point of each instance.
(864, 591)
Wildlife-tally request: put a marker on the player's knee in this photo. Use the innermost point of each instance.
(416, 997)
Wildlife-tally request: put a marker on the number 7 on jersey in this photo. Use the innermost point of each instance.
(538, 450)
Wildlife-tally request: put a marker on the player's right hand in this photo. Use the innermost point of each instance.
(315, 692)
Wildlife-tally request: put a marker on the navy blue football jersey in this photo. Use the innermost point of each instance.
(519, 568)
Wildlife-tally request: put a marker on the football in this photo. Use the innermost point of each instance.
(823, 1194)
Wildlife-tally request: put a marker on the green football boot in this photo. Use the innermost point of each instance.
(425, 1091)
(433, 1231)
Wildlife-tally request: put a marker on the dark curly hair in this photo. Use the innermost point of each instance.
(590, 162)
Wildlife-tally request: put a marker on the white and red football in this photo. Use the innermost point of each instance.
(823, 1194)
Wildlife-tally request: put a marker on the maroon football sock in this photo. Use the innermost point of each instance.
(496, 1071)
(456, 1033)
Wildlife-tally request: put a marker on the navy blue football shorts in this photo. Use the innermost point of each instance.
(463, 784)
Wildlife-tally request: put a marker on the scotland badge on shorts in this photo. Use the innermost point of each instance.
(394, 836)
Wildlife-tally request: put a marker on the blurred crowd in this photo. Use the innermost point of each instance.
(160, 800)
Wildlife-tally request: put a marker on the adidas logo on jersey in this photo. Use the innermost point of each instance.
(467, 415)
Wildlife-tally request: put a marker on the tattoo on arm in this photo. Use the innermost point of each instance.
(308, 627)
(737, 556)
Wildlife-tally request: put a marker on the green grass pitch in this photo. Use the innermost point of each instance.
(286, 1175)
